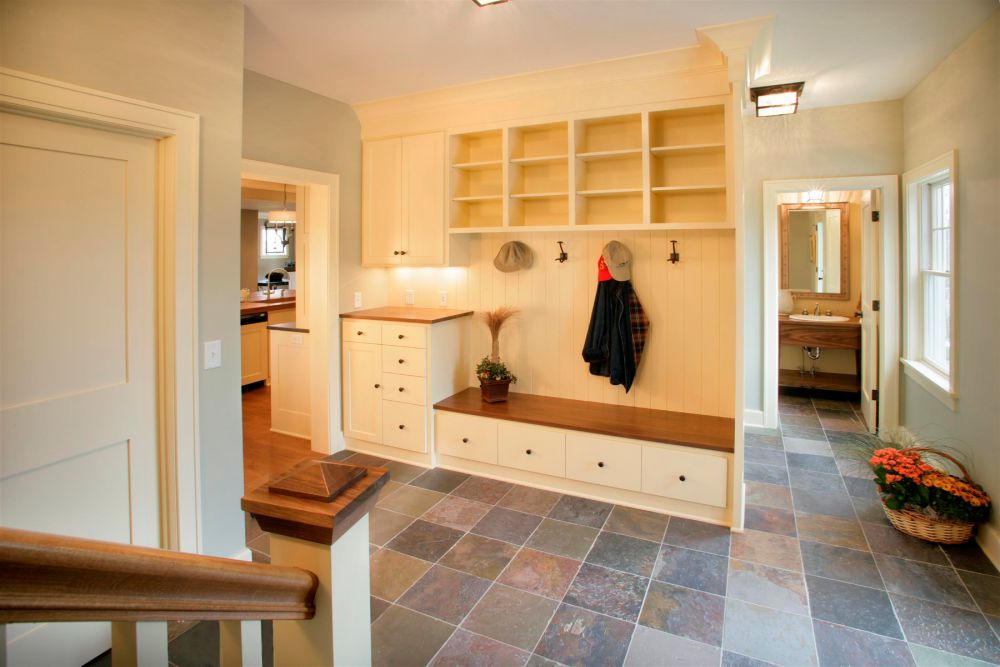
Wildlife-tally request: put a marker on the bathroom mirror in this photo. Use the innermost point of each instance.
(815, 250)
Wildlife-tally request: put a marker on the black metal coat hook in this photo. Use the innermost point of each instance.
(674, 255)
(562, 253)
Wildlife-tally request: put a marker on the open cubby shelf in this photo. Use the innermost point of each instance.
(660, 169)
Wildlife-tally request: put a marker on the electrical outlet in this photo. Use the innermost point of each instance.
(357, 299)
(213, 354)
(409, 297)
(443, 298)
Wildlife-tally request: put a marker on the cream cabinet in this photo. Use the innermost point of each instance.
(362, 371)
(403, 193)
(253, 352)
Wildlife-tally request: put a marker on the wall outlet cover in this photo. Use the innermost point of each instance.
(409, 297)
(213, 354)
(443, 298)
(357, 299)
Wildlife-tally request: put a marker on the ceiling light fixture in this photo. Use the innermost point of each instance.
(778, 100)
(284, 217)
(487, 3)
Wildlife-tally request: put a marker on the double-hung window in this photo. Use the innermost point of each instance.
(929, 354)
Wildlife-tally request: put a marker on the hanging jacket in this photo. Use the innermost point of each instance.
(617, 333)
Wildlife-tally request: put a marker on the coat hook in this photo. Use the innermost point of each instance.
(674, 255)
(562, 253)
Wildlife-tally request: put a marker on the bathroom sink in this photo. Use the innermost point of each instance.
(818, 318)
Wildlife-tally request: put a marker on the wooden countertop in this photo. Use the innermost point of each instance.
(675, 428)
(287, 326)
(409, 314)
(259, 303)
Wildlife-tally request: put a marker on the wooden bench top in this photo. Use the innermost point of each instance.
(675, 428)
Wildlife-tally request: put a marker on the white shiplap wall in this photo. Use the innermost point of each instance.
(688, 362)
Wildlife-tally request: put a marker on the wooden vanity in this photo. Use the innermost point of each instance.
(824, 335)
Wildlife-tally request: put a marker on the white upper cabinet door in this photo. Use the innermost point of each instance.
(423, 200)
(382, 203)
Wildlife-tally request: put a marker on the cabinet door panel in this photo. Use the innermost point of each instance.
(362, 398)
(697, 478)
(404, 360)
(253, 349)
(404, 388)
(423, 199)
(362, 331)
(533, 449)
(466, 437)
(603, 461)
(404, 426)
(381, 203)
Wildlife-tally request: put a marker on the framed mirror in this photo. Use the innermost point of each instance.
(816, 250)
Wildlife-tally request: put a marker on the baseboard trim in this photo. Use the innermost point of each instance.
(753, 417)
(988, 538)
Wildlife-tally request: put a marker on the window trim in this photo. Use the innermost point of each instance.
(263, 245)
(941, 385)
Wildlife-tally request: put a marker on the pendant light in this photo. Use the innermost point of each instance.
(284, 217)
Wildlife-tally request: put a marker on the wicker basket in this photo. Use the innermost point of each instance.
(918, 524)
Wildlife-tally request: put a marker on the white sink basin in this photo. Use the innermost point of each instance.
(818, 318)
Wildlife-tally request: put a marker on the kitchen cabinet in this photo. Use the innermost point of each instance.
(253, 352)
(403, 192)
(362, 390)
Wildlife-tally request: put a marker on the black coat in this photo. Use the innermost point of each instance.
(608, 347)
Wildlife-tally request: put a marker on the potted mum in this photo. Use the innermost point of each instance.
(925, 501)
(494, 376)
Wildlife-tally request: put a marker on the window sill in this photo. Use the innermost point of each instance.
(936, 384)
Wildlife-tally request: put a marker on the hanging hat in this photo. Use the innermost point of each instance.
(619, 261)
(513, 256)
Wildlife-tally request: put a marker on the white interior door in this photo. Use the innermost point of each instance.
(871, 253)
(78, 450)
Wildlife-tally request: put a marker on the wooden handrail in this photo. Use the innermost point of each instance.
(47, 577)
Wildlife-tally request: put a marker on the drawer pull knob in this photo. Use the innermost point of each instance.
(377, 386)
(600, 464)
(465, 440)
(401, 390)
(682, 478)
(401, 336)
(527, 451)
(402, 361)
(361, 333)
(401, 427)
(395, 252)
(402, 252)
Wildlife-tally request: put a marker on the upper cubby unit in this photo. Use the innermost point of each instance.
(649, 169)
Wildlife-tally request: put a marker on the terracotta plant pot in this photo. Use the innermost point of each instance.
(494, 391)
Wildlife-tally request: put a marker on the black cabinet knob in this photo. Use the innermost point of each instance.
(682, 478)
(401, 427)
(465, 439)
(401, 390)
(402, 361)
(395, 252)
(361, 333)
(600, 464)
(402, 252)
(377, 386)
(401, 336)
(527, 451)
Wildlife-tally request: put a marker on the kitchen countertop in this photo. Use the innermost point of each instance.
(259, 303)
(410, 314)
(287, 326)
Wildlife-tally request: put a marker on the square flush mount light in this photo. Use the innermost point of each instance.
(777, 100)
(487, 3)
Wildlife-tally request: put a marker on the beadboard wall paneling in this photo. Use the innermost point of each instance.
(688, 362)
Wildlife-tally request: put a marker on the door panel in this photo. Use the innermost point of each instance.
(423, 199)
(362, 398)
(382, 203)
(871, 252)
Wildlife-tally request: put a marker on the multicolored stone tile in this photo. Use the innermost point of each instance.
(834, 502)
(730, 659)
(563, 539)
(511, 616)
(839, 645)
(770, 520)
(812, 462)
(483, 490)
(869, 509)
(581, 511)
(683, 611)
(970, 557)
(465, 649)
(404, 637)
(947, 628)
(768, 587)
(761, 472)
(637, 523)
(411, 501)
(425, 540)
(923, 580)
(772, 457)
(831, 530)
(804, 446)
(773, 636)
(767, 549)
(384, 525)
(849, 565)
(360, 459)
(985, 589)
(578, 636)
(377, 607)
(540, 573)
(507, 525)
(851, 605)
(802, 432)
(607, 591)
(651, 647)
(445, 594)
(698, 535)
(457, 513)
(392, 573)
(621, 552)
(404, 473)
(440, 480)
(762, 440)
(888, 540)
(769, 495)
(529, 500)
(694, 569)
(482, 556)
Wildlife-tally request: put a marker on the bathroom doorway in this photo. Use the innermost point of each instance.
(831, 283)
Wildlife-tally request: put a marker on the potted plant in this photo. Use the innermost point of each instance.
(923, 500)
(494, 376)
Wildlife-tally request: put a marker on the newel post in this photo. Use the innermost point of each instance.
(317, 517)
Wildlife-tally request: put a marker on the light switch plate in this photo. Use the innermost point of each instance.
(443, 298)
(357, 299)
(409, 297)
(213, 354)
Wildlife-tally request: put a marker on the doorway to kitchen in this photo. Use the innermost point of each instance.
(289, 311)
(831, 292)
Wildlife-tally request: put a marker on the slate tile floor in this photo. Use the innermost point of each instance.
(471, 571)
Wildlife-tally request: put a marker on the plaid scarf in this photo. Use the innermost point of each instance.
(639, 325)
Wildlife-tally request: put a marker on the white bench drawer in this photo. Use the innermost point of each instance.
(533, 449)
(404, 360)
(404, 388)
(404, 426)
(404, 335)
(362, 331)
(602, 461)
(696, 478)
(466, 437)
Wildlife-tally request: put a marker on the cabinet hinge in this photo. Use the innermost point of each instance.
(876, 216)
(876, 305)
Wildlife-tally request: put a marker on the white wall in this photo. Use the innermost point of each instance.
(186, 55)
(956, 108)
(854, 140)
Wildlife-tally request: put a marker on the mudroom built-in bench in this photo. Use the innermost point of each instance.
(672, 462)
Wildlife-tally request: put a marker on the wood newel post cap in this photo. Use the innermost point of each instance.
(316, 500)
